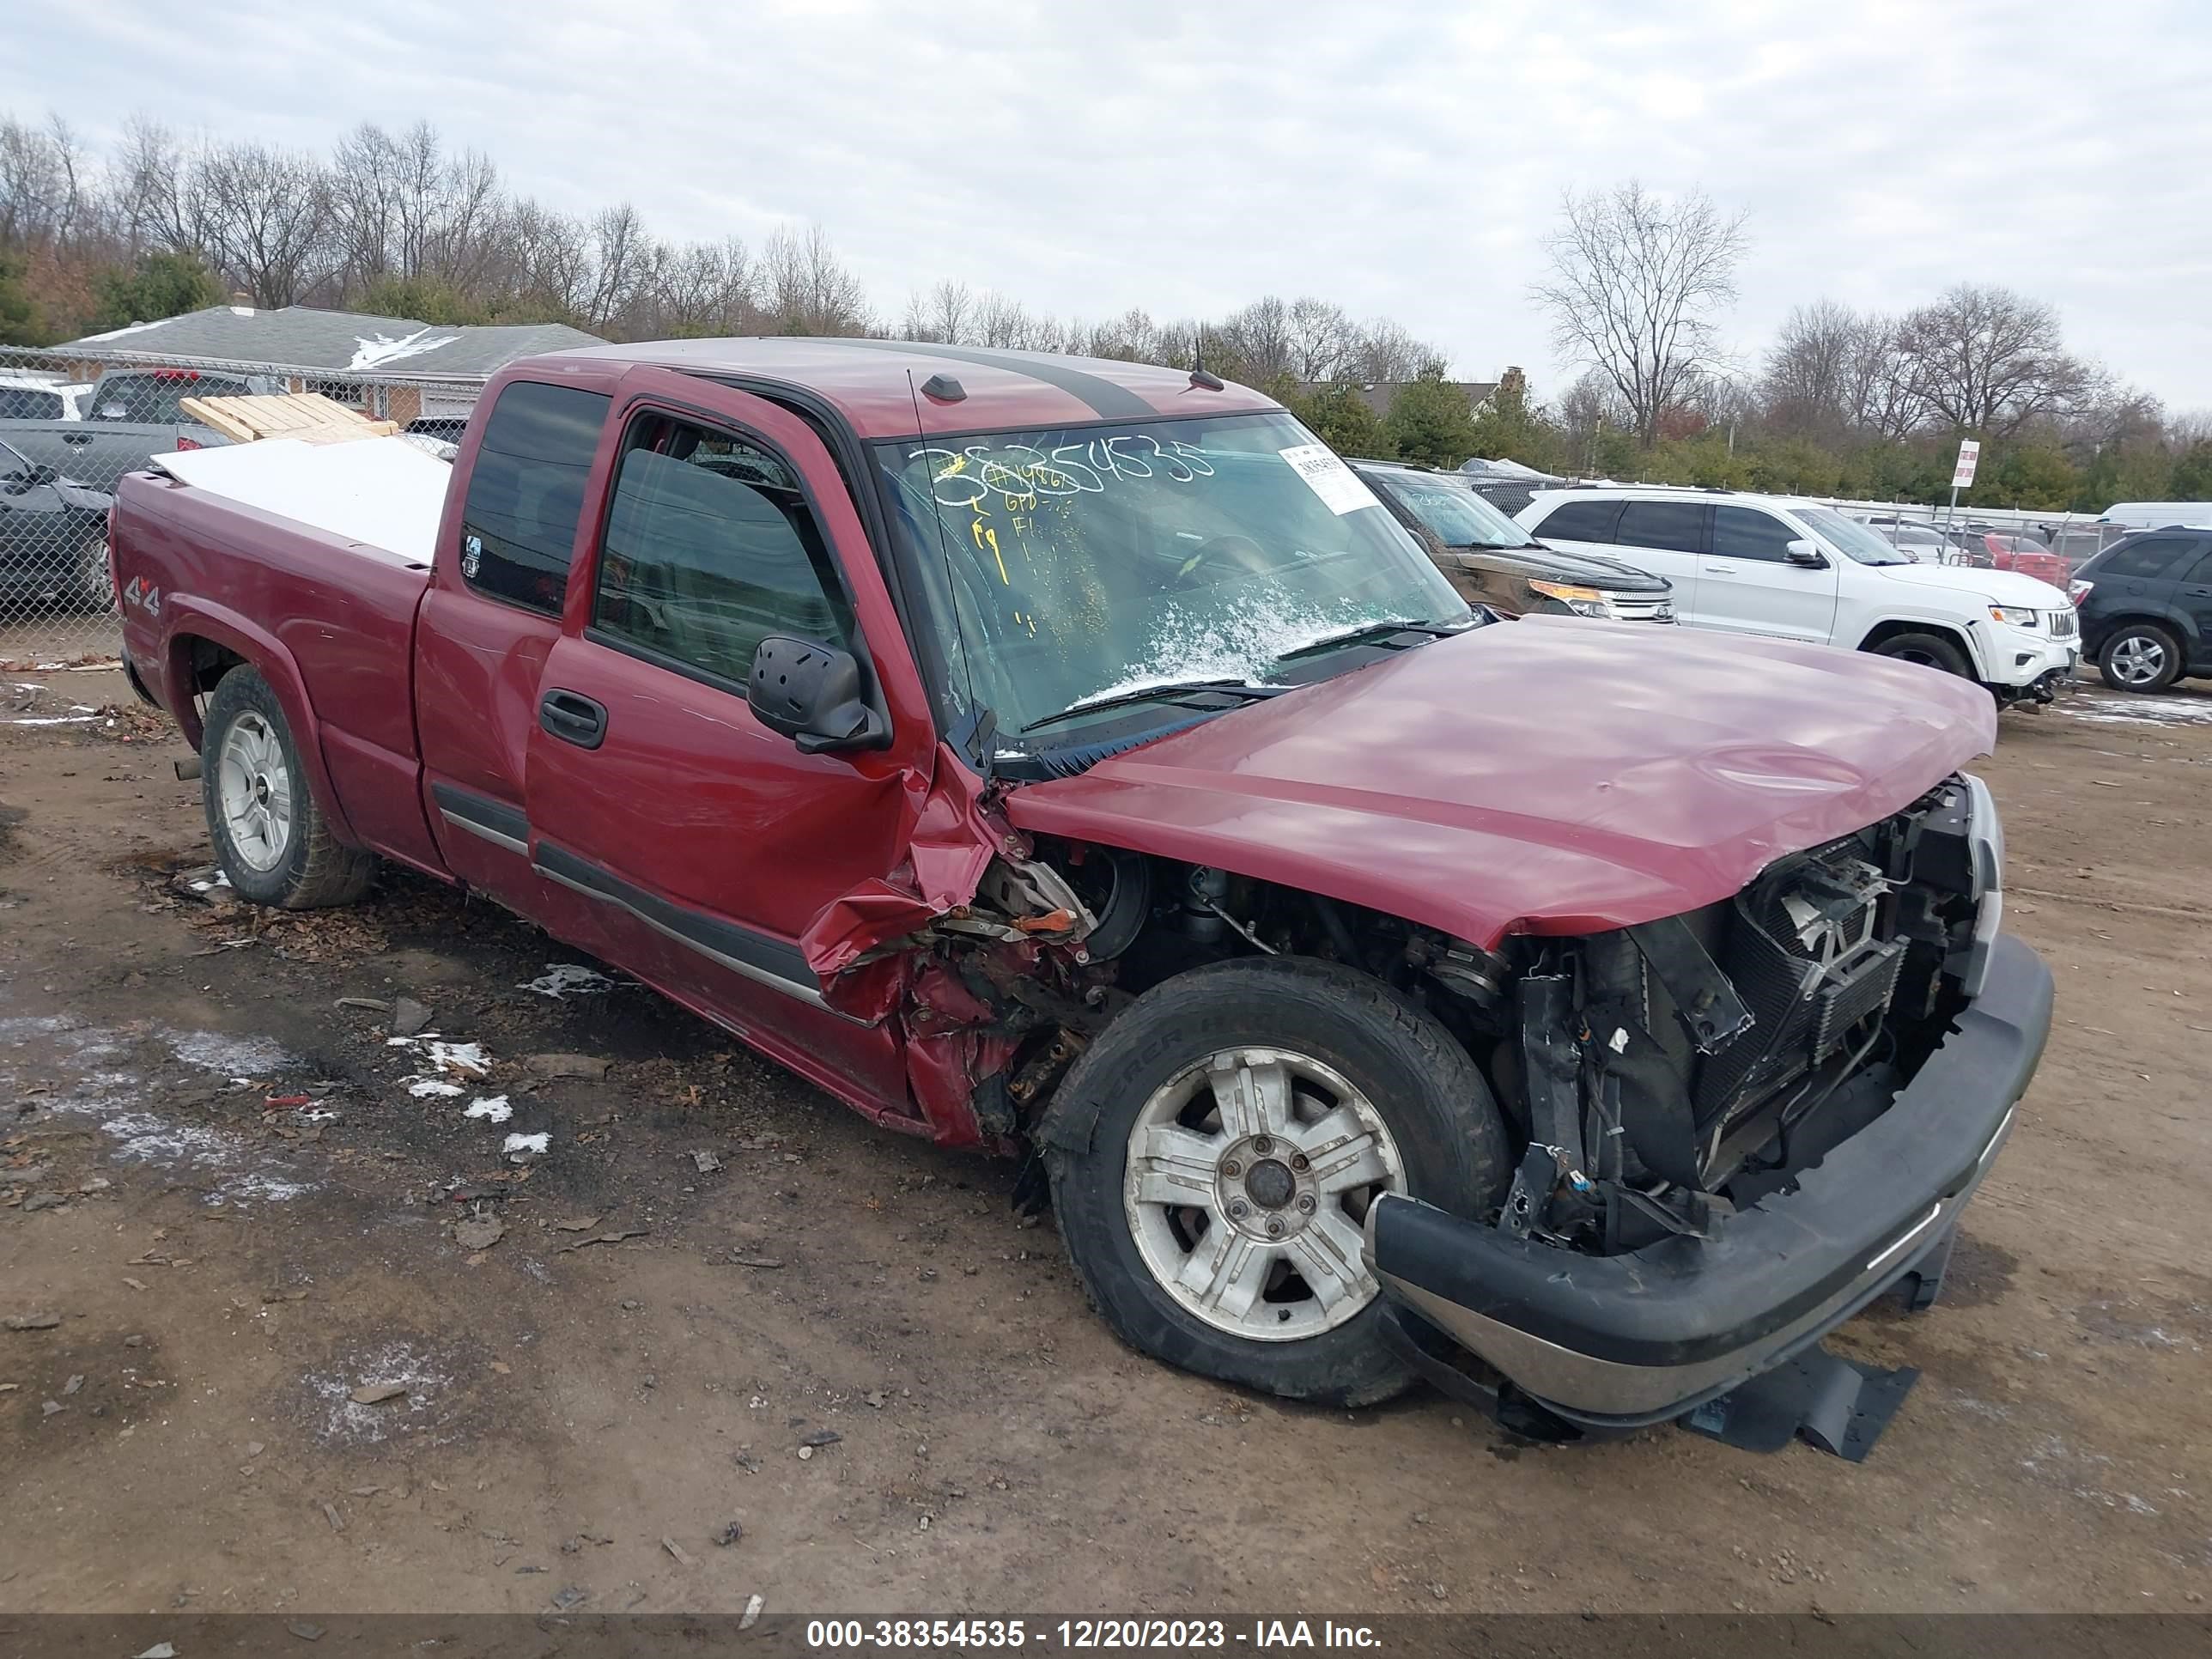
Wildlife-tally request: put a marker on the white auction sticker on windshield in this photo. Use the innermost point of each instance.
(1338, 487)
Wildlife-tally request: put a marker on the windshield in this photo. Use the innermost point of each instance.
(1068, 565)
(1452, 513)
(1851, 538)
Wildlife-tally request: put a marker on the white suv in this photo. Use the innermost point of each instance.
(1793, 569)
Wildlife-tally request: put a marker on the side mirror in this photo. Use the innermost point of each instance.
(1805, 553)
(814, 695)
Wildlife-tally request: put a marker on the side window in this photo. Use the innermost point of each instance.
(2151, 558)
(1745, 532)
(26, 404)
(519, 525)
(2200, 574)
(1677, 526)
(710, 547)
(1582, 521)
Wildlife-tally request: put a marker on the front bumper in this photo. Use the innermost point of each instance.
(1614, 1341)
(2021, 660)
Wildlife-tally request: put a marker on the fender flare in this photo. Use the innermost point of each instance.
(1969, 637)
(189, 618)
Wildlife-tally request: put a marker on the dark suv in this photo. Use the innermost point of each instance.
(2146, 606)
(1493, 562)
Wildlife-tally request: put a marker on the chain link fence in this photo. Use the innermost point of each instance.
(70, 426)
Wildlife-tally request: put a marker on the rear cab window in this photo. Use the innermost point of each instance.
(527, 492)
(152, 396)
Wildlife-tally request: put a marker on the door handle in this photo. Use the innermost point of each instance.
(573, 718)
(1722, 569)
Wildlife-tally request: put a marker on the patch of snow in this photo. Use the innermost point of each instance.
(2170, 710)
(521, 1142)
(467, 1058)
(241, 311)
(423, 1087)
(128, 328)
(145, 1138)
(233, 1056)
(492, 1107)
(379, 349)
(561, 979)
(347, 1421)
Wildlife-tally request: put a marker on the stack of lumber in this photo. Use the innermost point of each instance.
(307, 415)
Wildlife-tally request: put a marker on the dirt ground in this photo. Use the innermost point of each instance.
(720, 1298)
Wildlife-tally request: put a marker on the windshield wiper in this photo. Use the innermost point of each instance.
(1167, 690)
(1371, 631)
(1491, 547)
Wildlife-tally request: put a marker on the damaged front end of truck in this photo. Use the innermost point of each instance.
(1730, 1127)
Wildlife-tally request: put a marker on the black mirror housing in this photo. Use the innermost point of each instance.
(814, 694)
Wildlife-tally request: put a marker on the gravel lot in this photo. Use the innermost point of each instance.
(847, 1344)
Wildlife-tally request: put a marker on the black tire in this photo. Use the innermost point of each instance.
(1930, 651)
(94, 586)
(312, 869)
(1450, 1137)
(2129, 645)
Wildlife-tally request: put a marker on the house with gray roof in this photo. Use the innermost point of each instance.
(391, 367)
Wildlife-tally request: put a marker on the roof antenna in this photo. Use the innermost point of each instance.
(1198, 377)
(982, 725)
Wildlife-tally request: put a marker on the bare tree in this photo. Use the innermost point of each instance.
(42, 186)
(619, 257)
(268, 220)
(946, 315)
(806, 288)
(1254, 341)
(1985, 359)
(1320, 337)
(1810, 385)
(1382, 353)
(1637, 284)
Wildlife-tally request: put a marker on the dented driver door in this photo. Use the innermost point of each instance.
(704, 843)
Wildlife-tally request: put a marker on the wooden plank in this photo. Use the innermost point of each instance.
(207, 411)
(305, 415)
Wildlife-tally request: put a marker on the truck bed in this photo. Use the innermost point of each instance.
(329, 619)
(383, 493)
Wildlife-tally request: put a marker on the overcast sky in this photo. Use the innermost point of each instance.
(1403, 161)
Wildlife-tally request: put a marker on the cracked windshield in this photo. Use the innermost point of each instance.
(1097, 562)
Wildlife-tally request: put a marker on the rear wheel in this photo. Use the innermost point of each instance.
(2140, 656)
(270, 835)
(1930, 651)
(1214, 1153)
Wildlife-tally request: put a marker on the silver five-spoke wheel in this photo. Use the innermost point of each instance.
(2138, 661)
(254, 787)
(1248, 1177)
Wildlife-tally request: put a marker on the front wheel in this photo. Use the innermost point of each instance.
(1930, 651)
(270, 834)
(94, 575)
(1214, 1153)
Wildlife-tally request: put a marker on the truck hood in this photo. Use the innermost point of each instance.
(1556, 776)
(1996, 587)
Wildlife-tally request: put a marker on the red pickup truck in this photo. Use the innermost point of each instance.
(1073, 758)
